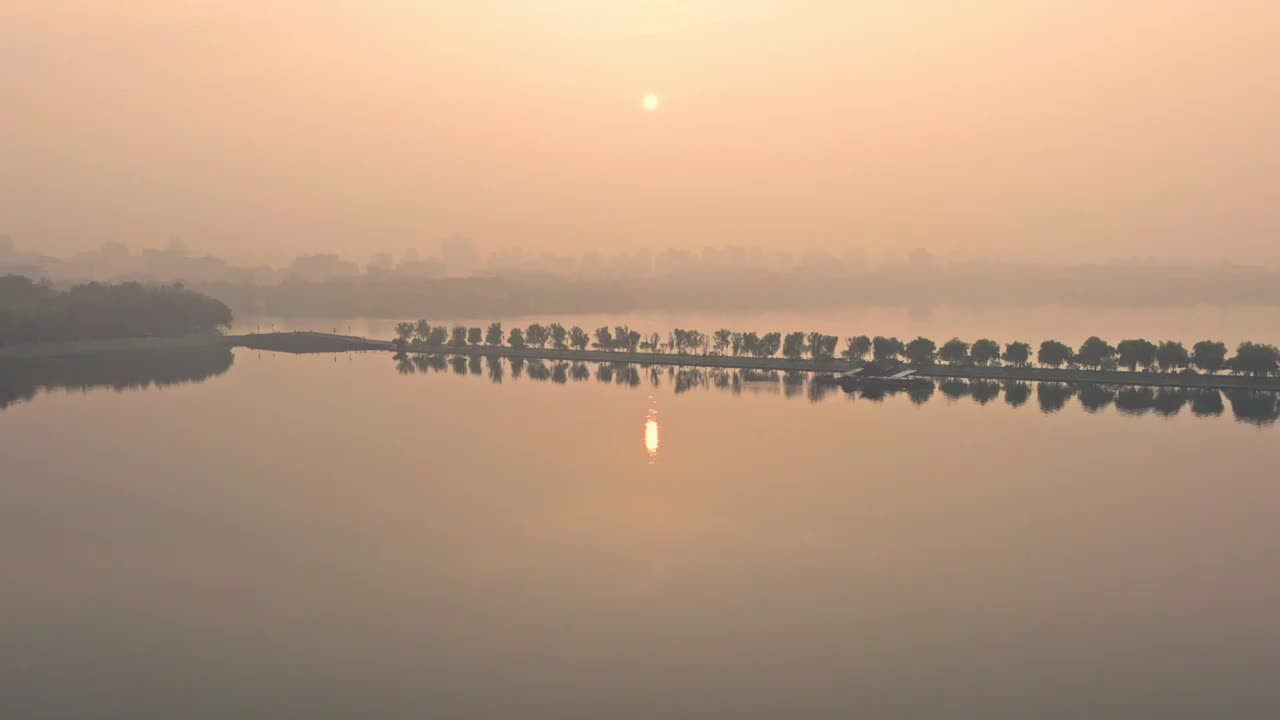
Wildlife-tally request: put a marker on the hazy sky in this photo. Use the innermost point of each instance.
(264, 129)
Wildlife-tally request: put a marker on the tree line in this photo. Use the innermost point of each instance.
(1094, 353)
(34, 312)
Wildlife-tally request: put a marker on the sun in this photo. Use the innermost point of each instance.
(650, 102)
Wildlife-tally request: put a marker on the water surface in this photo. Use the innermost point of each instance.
(265, 535)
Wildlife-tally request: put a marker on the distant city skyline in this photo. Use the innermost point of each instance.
(458, 255)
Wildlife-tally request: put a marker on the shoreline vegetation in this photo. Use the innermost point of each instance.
(37, 314)
(21, 380)
(309, 342)
(1130, 362)
(39, 321)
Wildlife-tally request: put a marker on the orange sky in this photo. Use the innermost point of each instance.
(981, 127)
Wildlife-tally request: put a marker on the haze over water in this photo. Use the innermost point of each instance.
(207, 533)
(325, 536)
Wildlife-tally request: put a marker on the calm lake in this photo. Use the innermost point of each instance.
(235, 534)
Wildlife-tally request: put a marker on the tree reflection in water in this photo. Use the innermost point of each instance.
(921, 393)
(1053, 396)
(1135, 400)
(1253, 407)
(22, 379)
(953, 389)
(984, 391)
(1094, 398)
(1206, 403)
(1017, 393)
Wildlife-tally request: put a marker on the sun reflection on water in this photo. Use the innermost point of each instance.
(651, 434)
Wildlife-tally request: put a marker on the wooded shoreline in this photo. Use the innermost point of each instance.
(307, 342)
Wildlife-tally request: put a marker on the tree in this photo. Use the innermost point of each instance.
(36, 312)
(494, 335)
(1132, 353)
(438, 336)
(1172, 356)
(1255, 359)
(722, 338)
(985, 352)
(793, 346)
(537, 335)
(1095, 353)
(404, 331)
(604, 338)
(1054, 353)
(822, 347)
(768, 345)
(1209, 356)
(687, 340)
(813, 343)
(516, 338)
(558, 335)
(921, 351)
(696, 340)
(1147, 354)
(459, 336)
(954, 351)
(422, 330)
(858, 347)
(655, 341)
(886, 348)
(475, 336)
(578, 338)
(20, 289)
(736, 342)
(1017, 354)
(626, 339)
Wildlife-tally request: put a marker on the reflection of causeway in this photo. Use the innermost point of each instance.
(23, 379)
(1255, 407)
